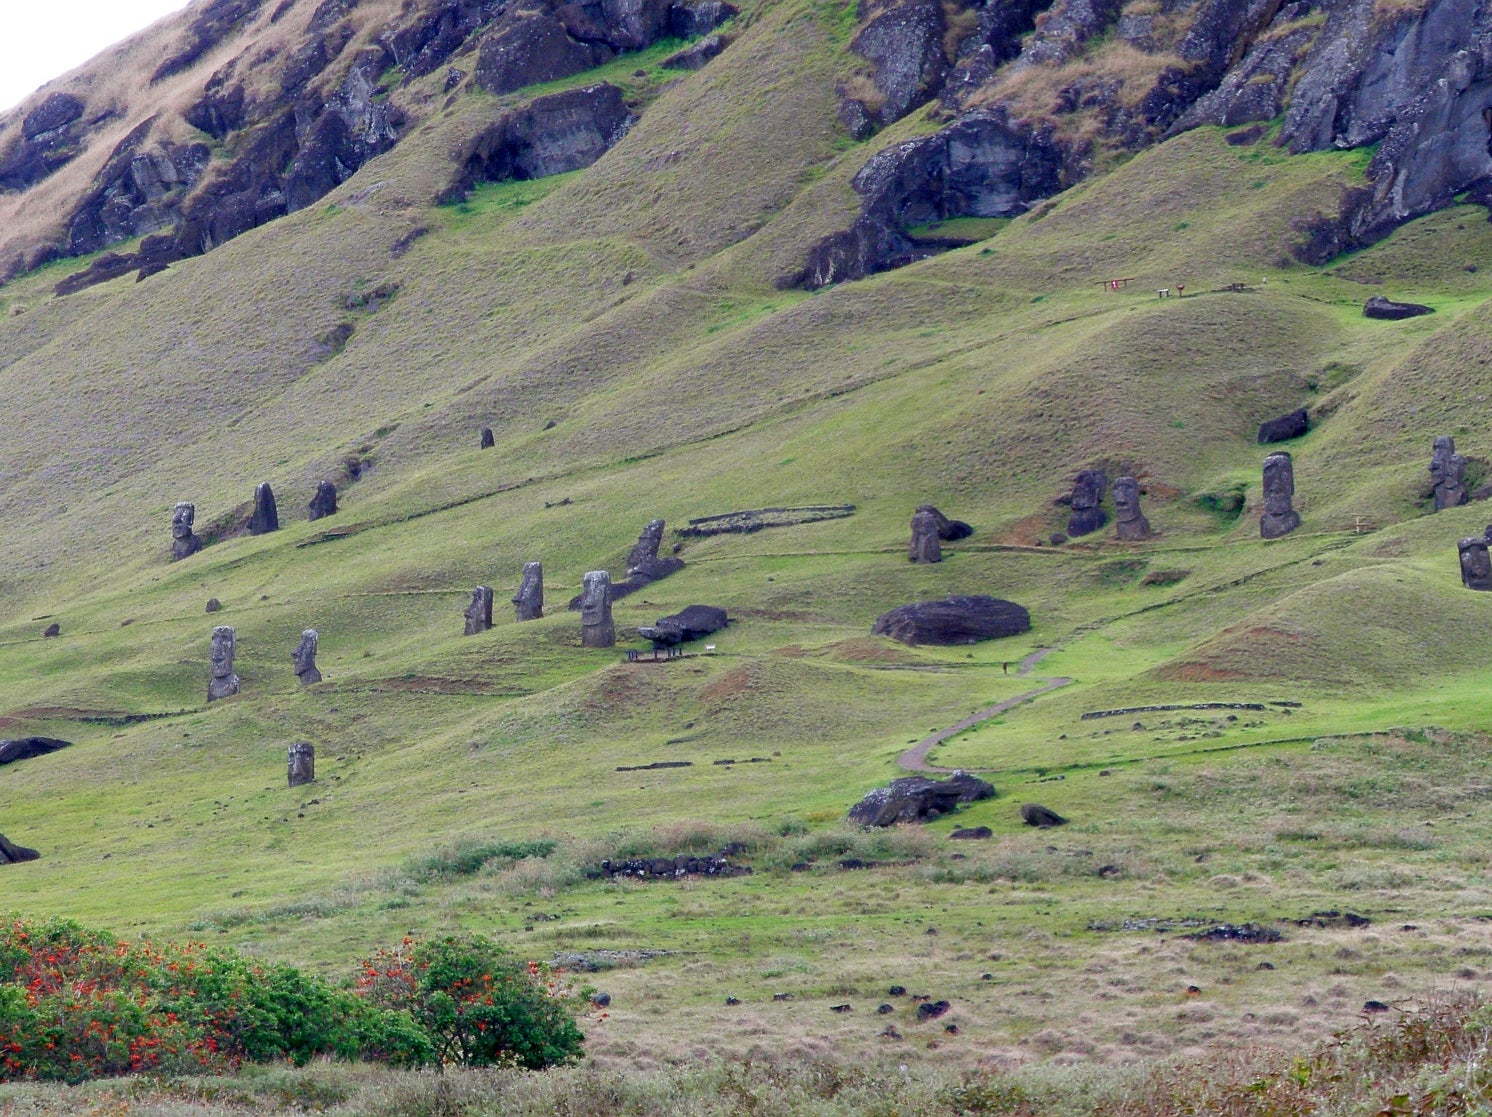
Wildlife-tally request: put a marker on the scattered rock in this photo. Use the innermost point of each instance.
(953, 620)
(1034, 814)
(918, 799)
(53, 629)
(884, 1010)
(932, 1010)
(601, 1000)
(24, 748)
(890, 1032)
(674, 868)
(1389, 310)
(1375, 1006)
(897, 991)
(732, 1000)
(758, 519)
(973, 833)
(1285, 427)
(1334, 919)
(782, 996)
(214, 605)
(951, 1029)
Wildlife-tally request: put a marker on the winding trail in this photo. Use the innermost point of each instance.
(915, 758)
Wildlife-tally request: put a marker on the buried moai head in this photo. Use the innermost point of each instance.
(1087, 499)
(926, 545)
(265, 517)
(224, 647)
(1279, 491)
(597, 630)
(304, 657)
(302, 763)
(479, 612)
(324, 503)
(529, 600)
(1476, 566)
(645, 550)
(1130, 522)
(184, 541)
(1447, 474)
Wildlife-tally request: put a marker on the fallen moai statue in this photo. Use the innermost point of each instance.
(918, 799)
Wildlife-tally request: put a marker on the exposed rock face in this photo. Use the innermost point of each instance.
(301, 763)
(1279, 517)
(25, 748)
(904, 46)
(548, 136)
(925, 545)
(1068, 26)
(223, 682)
(1447, 474)
(690, 623)
(1034, 814)
(597, 630)
(304, 658)
(49, 139)
(1391, 311)
(324, 503)
(529, 600)
(12, 854)
(918, 799)
(954, 620)
(1130, 523)
(698, 56)
(949, 531)
(184, 541)
(1476, 567)
(265, 517)
(479, 612)
(1285, 427)
(1087, 502)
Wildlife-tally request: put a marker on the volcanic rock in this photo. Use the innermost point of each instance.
(324, 503)
(690, 623)
(1285, 427)
(24, 748)
(918, 799)
(1087, 500)
(954, 620)
(1034, 814)
(11, 854)
(266, 516)
(1389, 310)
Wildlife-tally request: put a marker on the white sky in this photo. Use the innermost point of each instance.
(43, 39)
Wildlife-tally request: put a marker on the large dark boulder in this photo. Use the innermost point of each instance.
(904, 46)
(1391, 311)
(1285, 427)
(918, 799)
(49, 139)
(530, 44)
(1034, 814)
(11, 854)
(955, 619)
(24, 748)
(693, 622)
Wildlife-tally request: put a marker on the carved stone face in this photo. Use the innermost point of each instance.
(305, 654)
(1279, 484)
(1087, 490)
(181, 520)
(1476, 566)
(224, 645)
(1445, 447)
(595, 599)
(1454, 473)
(1127, 499)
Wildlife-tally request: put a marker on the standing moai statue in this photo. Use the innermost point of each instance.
(925, 545)
(1279, 489)
(645, 551)
(324, 503)
(1447, 474)
(1131, 524)
(304, 657)
(224, 647)
(1087, 499)
(596, 630)
(479, 612)
(266, 517)
(529, 599)
(1476, 567)
(302, 763)
(488, 441)
(184, 541)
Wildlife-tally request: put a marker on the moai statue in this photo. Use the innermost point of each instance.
(224, 646)
(1279, 488)
(488, 441)
(184, 541)
(646, 550)
(324, 503)
(596, 630)
(1476, 567)
(1087, 498)
(479, 612)
(266, 517)
(305, 658)
(302, 766)
(530, 596)
(1131, 523)
(925, 545)
(1448, 474)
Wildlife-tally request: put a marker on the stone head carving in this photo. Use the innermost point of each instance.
(1131, 522)
(302, 763)
(1279, 491)
(488, 440)
(645, 551)
(224, 647)
(925, 545)
(479, 612)
(1087, 500)
(597, 630)
(1476, 566)
(529, 600)
(266, 516)
(184, 541)
(304, 657)
(324, 503)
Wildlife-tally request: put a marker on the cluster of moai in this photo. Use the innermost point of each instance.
(224, 683)
(264, 518)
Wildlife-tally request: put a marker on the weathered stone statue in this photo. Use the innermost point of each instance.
(479, 612)
(224, 646)
(488, 441)
(302, 763)
(949, 531)
(1447, 474)
(184, 541)
(324, 503)
(925, 545)
(1131, 522)
(1279, 489)
(266, 517)
(645, 552)
(1087, 497)
(1476, 567)
(529, 600)
(596, 629)
(305, 658)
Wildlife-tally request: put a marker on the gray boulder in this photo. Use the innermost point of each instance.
(24, 748)
(1285, 427)
(918, 799)
(1391, 311)
(955, 619)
